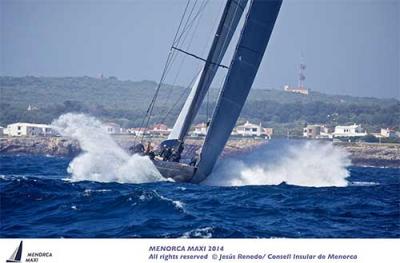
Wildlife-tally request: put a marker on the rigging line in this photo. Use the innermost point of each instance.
(181, 20)
(189, 25)
(168, 63)
(193, 33)
(176, 34)
(172, 59)
(154, 99)
(171, 54)
(178, 39)
(180, 97)
(173, 106)
(186, 28)
(212, 31)
(196, 18)
(151, 105)
(175, 56)
(169, 60)
(167, 99)
(196, 22)
(186, 23)
(197, 57)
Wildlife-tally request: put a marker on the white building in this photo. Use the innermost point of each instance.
(138, 131)
(30, 129)
(317, 131)
(112, 128)
(388, 133)
(249, 129)
(268, 132)
(299, 90)
(349, 131)
(31, 108)
(200, 129)
(312, 131)
(160, 130)
(326, 132)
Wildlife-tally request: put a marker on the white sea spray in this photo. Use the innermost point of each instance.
(102, 159)
(204, 232)
(313, 164)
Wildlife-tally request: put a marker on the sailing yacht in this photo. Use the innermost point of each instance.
(249, 51)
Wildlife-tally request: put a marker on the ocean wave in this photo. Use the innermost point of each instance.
(203, 232)
(153, 195)
(310, 164)
(363, 183)
(102, 160)
(50, 207)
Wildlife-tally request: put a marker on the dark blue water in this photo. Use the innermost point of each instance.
(37, 201)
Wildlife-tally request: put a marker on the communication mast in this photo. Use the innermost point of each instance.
(300, 85)
(302, 77)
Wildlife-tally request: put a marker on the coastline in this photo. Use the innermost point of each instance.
(361, 154)
(63, 146)
(372, 154)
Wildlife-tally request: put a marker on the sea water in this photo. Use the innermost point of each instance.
(285, 188)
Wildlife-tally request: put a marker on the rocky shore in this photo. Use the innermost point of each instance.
(361, 154)
(373, 154)
(57, 146)
(62, 146)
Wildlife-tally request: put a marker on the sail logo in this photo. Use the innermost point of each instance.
(31, 256)
(16, 255)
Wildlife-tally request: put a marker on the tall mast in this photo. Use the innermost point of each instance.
(249, 51)
(230, 18)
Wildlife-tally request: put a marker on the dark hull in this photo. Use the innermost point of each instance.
(179, 172)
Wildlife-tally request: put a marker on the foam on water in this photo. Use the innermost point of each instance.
(203, 232)
(102, 159)
(313, 164)
(310, 163)
(363, 184)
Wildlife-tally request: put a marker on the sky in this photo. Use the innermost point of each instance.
(349, 47)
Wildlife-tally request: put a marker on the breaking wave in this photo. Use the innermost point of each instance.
(102, 159)
(312, 164)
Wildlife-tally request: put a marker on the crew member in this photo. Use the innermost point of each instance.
(137, 149)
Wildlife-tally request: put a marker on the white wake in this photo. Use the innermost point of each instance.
(102, 159)
(310, 163)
